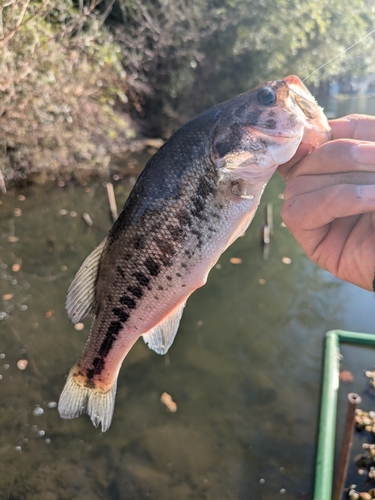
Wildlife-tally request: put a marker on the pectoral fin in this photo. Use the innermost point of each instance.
(80, 300)
(160, 338)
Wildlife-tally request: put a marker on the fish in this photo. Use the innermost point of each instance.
(193, 199)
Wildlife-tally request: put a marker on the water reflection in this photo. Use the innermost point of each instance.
(244, 369)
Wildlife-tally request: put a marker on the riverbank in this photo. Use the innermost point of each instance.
(122, 152)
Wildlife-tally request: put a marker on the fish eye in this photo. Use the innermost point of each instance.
(267, 97)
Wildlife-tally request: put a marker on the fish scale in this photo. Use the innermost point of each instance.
(196, 195)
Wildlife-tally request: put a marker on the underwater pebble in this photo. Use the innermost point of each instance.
(21, 197)
(63, 268)
(365, 496)
(262, 281)
(7, 296)
(167, 400)
(52, 404)
(286, 260)
(79, 326)
(282, 224)
(47, 441)
(38, 411)
(17, 212)
(49, 313)
(235, 260)
(2, 315)
(73, 214)
(16, 267)
(199, 323)
(116, 177)
(63, 211)
(282, 491)
(86, 217)
(6, 367)
(218, 266)
(22, 364)
(12, 239)
(2, 355)
(18, 448)
(262, 481)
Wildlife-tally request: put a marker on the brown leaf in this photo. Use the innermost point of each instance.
(167, 400)
(235, 260)
(346, 376)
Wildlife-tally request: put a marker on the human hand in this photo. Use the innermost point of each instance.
(329, 201)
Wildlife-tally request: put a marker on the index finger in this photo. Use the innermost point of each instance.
(359, 127)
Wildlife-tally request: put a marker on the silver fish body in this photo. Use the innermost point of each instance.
(196, 195)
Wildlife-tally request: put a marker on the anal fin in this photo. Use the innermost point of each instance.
(161, 337)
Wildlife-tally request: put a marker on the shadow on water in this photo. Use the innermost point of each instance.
(244, 370)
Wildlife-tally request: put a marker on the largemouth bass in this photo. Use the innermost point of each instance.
(196, 195)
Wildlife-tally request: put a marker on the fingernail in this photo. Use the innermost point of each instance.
(364, 153)
(367, 192)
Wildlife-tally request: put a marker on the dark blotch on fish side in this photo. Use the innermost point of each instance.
(98, 362)
(204, 188)
(121, 314)
(169, 278)
(142, 279)
(198, 209)
(176, 232)
(97, 367)
(136, 291)
(165, 247)
(90, 384)
(128, 301)
(120, 271)
(152, 266)
(139, 242)
(184, 218)
(198, 234)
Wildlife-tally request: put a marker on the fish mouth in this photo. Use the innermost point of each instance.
(317, 129)
(283, 134)
(301, 95)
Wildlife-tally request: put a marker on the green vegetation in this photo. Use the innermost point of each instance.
(182, 57)
(60, 75)
(69, 70)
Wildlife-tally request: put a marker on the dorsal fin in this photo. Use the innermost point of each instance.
(160, 338)
(80, 299)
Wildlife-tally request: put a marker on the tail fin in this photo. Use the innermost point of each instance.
(76, 399)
